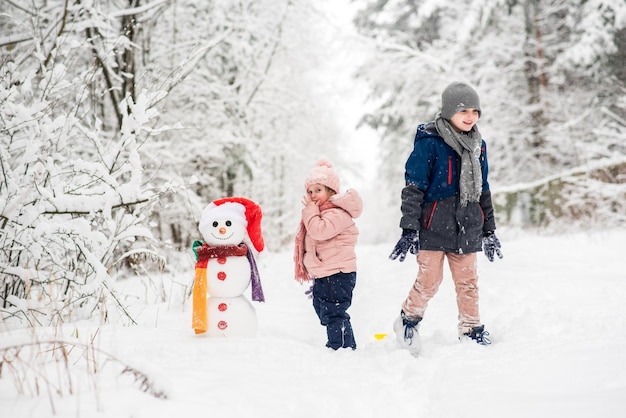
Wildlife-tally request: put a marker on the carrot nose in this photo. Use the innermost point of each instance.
(222, 230)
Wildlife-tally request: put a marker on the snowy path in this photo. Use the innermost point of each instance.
(555, 307)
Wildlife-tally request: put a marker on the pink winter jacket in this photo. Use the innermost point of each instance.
(331, 235)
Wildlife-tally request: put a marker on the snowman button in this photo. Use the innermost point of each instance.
(221, 260)
(222, 325)
(222, 307)
(221, 276)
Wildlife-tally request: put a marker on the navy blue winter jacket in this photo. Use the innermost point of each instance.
(430, 199)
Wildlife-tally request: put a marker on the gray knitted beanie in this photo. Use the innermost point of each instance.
(456, 97)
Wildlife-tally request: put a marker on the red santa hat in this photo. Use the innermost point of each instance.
(232, 206)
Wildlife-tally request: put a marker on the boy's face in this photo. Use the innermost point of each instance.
(319, 193)
(465, 120)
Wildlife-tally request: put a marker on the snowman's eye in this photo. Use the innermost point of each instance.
(215, 224)
(228, 223)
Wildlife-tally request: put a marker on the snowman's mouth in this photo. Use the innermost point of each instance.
(223, 238)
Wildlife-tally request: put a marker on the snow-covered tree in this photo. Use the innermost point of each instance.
(242, 93)
(549, 74)
(87, 186)
(74, 201)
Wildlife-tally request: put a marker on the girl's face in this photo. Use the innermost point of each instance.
(465, 120)
(319, 193)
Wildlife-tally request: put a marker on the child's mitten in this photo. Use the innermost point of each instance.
(409, 241)
(491, 245)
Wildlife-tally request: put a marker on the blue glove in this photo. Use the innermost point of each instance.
(491, 245)
(409, 241)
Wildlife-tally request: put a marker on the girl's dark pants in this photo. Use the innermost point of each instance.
(332, 296)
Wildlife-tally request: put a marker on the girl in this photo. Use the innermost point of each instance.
(324, 251)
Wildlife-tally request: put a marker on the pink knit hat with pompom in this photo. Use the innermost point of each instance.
(324, 174)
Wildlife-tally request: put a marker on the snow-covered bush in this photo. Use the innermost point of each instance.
(73, 202)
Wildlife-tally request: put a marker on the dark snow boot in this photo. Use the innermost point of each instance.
(478, 334)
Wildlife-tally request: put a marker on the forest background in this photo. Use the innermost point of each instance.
(121, 119)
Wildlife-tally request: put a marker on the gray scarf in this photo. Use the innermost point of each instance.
(467, 145)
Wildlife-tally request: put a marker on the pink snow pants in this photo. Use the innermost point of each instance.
(430, 274)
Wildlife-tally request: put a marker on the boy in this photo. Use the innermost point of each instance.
(447, 212)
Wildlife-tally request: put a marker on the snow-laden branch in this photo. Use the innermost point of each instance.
(138, 10)
(189, 64)
(77, 205)
(414, 53)
(277, 41)
(14, 39)
(594, 166)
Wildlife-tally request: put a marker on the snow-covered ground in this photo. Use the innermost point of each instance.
(555, 306)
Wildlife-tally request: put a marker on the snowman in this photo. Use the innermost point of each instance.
(225, 267)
